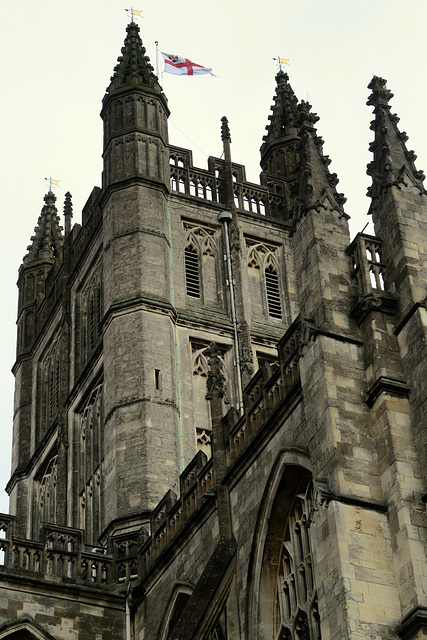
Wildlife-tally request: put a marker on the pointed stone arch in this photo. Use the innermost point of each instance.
(264, 280)
(202, 264)
(273, 555)
(23, 629)
(177, 601)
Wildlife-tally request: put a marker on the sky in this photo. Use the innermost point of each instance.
(57, 59)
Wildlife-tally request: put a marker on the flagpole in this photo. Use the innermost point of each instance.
(157, 57)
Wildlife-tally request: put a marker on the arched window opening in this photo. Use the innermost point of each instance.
(177, 610)
(192, 273)
(297, 602)
(273, 292)
(284, 595)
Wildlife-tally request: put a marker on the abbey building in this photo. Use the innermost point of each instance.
(220, 409)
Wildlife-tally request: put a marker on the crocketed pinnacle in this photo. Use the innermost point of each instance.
(225, 129)
(314, 183)
(133, 68)
(47, 239)
(284, 117)
(393, 164)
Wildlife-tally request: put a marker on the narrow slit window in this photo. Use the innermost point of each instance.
(157, 379)
(273, 292)
(192, 275)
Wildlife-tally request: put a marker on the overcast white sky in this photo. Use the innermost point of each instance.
(57, 58)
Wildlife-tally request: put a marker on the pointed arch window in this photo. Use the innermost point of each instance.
(201, 264)
(192, 270)
(273, 292)
(284, 596)
(264, 280)
(50, 374)
(45, 495)
(295, 583)
(90, 317)
(91, 465)
(201, 406)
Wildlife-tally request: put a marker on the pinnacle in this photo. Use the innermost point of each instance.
(47, 238)
(392, 163)
(293, 150)
(133, 68)
(284, 115)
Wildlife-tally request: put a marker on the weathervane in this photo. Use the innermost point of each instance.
(133, 13)
(281, 61)
(52, 182)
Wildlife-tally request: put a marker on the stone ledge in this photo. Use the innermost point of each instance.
(413, 624)
(389, 385)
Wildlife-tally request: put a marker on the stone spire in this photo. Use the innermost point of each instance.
(292, 158)
(282, 127)
(47, 239)
(393, 164)
(133, 68)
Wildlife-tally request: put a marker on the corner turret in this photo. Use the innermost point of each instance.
(135, 113)
(44, 250)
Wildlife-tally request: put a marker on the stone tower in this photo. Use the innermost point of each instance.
(220, 408)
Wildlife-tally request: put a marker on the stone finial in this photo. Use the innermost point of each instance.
(133, 66)
(225, 129)
(380, 94)
(215, 383)
(68, 212)
(47, 238)
(68, 205)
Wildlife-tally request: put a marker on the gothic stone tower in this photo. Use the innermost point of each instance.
(220, 407)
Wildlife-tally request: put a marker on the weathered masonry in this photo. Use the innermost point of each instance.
(220, 410)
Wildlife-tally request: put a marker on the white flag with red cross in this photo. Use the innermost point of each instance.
(180, 66)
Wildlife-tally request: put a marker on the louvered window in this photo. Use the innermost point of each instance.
(273, 293)
(192, 275)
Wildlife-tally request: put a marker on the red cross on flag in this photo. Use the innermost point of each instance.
(180, 66)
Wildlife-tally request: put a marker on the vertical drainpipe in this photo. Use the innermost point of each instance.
(225, 217)
(127, 613)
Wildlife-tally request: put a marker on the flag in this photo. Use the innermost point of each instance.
(180, 66)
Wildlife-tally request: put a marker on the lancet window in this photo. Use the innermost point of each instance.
(90, 316)
(90, 424)
(45, 495)
(201, 264)
(50, 380)
(264, 280)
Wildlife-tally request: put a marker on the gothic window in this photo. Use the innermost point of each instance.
(50, 378)
(178, 607)
(90, 317)
(90, 424)
(192, 269)
(273, 292)
(201, 406)
(295, 583)
(45, 494)
(201, 264)
(283, 592)
(264, 281)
